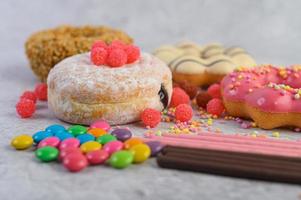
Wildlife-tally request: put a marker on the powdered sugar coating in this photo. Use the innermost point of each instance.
(80, 92)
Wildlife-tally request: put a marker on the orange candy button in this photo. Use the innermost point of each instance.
(96, 132)
(132, 142)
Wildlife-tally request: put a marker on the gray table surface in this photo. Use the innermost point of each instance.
(270, 30)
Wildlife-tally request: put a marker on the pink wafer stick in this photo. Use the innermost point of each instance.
(240, 145)
(239, 139)
(242, 136)
(223, 148)
(226, 146)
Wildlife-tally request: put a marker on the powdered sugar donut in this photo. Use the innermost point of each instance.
(81, 92)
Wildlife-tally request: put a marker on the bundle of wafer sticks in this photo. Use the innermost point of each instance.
(232, 155)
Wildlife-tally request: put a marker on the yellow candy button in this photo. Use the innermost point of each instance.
(21, 142)
(141, 152)
(90, 146)
(96, 132)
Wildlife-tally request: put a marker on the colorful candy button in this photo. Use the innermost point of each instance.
(70, 142)
(77, 130)
(21, 142)
(96, 132)
(83, 138)
(121, 159)
(55, 128)
(141, 152)
(113, 146)
(101, 124)
(50, 141)
(122, 134)
(63, 135)
(97, 157)
(75, 162)
(47, 154)
(90, 146)
(106, 138)
(41, 135)
(132, 142)
(64, 152)
(155, 147)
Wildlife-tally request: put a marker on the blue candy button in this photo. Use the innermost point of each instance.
(41, 135)
(63, 135)
(85, 138)
(55, 128)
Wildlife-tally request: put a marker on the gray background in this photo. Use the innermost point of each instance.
(270, 30)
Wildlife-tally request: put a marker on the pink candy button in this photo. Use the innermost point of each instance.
(75, 162)
(70, 142)
(65, 151)
(101, 124)
(113, 146)
(97, 157)
(50, 141)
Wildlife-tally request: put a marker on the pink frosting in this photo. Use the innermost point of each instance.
(268, 88)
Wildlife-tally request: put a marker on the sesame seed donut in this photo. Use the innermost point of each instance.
(268, 95)
(46, 48)
(81, 92)
(202, 65)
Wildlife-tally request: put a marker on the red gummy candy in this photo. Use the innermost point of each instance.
(133, 53)
(215, 91)
(117, 57)
(151, 117)
(178, 97)
(41, 91)
(29, 95)
(25, 108)
(183, 113)
(99, 56)
(100, 44)
(215, 107)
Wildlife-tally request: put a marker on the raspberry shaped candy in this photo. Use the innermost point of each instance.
(178, 97)
(41, 91)
(117, 44)
(215, 91)
(183, 113)
(151, 117)
(25, 108)
(132, 52)
(117, 57)
(215, 107)
(99, 44)
(202, 99)
(99, 56)
(29, 95)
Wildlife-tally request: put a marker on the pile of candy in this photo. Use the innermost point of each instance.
(26, 106)
(79, 146)
(116, 54)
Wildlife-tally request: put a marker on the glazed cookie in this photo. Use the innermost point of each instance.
(202, 66)
(46, 48)
(82, 92)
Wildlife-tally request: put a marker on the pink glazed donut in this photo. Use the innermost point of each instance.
(267, 94)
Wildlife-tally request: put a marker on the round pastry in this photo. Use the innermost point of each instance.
(202, 66)
(81, 92)
(46, 48)
(268, 95)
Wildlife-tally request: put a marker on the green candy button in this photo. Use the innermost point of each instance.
(106, 138)
(77, 130)
(121, 159)
(47, 154)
